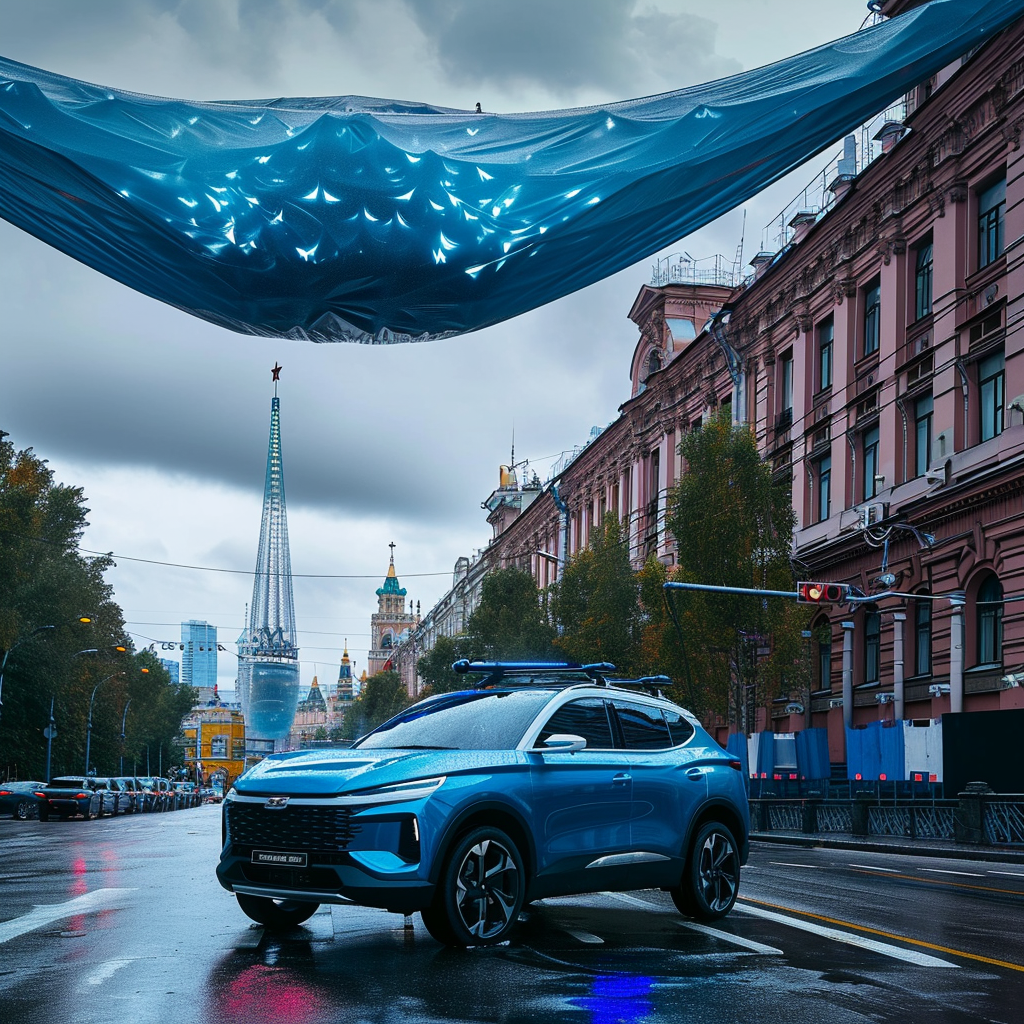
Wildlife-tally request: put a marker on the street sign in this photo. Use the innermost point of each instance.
(50, 732)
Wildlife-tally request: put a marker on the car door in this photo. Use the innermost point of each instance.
(582, 802)
(668, 786)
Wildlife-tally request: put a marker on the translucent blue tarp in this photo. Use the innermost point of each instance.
(353, 219)
(875, 750)
(812, 754)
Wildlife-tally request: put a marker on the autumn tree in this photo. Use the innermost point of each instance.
(435, 667)
(510, 623)
(382, 696)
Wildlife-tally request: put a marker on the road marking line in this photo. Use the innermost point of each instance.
(107, 970)
(623, 898)
(1012, 874)
(249, 939)
(908, 955)
(943, 871)
(585, 937)
(736, 940)
(48, 913)
(872, 867)
(787, 864)
(942, 881)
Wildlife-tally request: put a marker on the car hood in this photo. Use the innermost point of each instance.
(331, 772)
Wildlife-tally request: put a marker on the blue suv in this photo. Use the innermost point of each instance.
(540, 780)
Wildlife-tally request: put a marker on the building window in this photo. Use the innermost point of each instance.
(785, 391)
(219, 746)
(991, 216)
(923, 411)
(872, 643)
(991, 382)
(923, 637)
(990, 622)
(823, 633)
(385, 642)
(872, 316)
(869, 451)
(923, 282)
(826, 337)
(653, 362)
(823, 482)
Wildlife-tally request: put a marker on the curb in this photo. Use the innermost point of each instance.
(1001, 855)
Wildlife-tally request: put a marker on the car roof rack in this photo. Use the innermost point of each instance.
(496, 671)
(654, 685)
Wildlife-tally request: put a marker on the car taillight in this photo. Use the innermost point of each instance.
(738, 765)
(81, 796)
(42, 796)
(6, 792)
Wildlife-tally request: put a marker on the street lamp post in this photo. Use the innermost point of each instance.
(88, 724)
(124, 718)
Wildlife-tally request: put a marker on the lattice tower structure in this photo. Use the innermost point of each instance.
(269, 654)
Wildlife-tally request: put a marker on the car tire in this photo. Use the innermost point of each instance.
(87, 814)
(22, 810)
(44, 815)
(711, 878)
(276, 914)
(480, 892)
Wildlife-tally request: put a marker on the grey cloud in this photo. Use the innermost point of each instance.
(570, 46)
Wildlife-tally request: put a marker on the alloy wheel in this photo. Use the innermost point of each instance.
(718, 871)
(487, 889)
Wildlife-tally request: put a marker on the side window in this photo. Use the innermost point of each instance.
(587, 718)
(678, 726)
(643, 728)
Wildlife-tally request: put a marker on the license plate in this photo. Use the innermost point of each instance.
(286, 860)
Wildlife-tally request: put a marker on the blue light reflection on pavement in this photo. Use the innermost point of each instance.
(618, 999)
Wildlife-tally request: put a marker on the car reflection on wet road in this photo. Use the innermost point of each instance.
(123, 920)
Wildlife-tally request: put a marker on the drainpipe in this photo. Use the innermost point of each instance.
(898, 618)
(848, 674)
(956, 653)
(564, 545)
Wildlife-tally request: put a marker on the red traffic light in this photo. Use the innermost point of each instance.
(822, 593)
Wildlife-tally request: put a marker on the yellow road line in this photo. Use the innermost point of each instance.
(888, 935)
(939, 881)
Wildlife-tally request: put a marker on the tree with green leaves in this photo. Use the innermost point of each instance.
(510, 623)
(435, 667)
(596, 603)
(60, 631)
(381, 697)
(733, 525)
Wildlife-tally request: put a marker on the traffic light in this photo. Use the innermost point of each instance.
(822, 593)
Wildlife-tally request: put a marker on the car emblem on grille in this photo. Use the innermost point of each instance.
(276, 803)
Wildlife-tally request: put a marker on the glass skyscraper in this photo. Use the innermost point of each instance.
(199, 657)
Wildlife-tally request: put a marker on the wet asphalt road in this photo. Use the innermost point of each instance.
(122, 920)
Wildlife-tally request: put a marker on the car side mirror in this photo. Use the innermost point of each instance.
(561, 743)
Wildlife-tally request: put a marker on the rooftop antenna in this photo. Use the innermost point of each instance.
(513, 462)
(738, 265)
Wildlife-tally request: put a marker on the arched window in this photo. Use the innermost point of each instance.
(989, 609)
(385, 642)
(922, 637)
(872, 643)
(653, 362)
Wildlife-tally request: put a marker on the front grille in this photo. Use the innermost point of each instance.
(327, 829)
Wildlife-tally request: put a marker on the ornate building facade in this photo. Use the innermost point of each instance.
(876, 352)
(390, 623)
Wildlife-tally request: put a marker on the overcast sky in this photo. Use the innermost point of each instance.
(163, 419)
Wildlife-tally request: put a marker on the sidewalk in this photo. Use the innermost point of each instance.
(893, 844)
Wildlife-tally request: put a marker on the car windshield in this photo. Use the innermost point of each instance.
(467, 720)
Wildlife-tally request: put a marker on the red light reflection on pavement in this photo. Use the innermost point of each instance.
(78, 886)
(262, 993)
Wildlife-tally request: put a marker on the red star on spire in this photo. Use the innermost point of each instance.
(276, 371)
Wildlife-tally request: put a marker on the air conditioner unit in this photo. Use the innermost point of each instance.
(885, 698)
(835, 702)
(794, 708)
(938, 689)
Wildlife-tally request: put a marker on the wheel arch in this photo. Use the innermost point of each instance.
(493, 813)
(725, 814)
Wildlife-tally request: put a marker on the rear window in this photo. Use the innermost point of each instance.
(643, 727)
(467, 720)
(678, 726)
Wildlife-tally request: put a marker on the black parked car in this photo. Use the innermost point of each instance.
(69, 796)
(20, 799)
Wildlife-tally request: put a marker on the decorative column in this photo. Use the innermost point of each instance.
(956, 653)
(848, 674)
(898, 618)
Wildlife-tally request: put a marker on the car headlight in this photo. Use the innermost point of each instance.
(415, 789)
(231, 794)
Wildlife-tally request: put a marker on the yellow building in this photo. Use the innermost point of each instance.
(213, 741)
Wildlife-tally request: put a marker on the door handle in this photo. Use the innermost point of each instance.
(621, 779)
(695, 773)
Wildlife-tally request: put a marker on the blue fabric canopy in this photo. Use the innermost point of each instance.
(353, 219)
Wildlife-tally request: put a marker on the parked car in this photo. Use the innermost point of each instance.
(69, 796)
(154, 798)
(111, 801)
(20, 799)
(132, 794)
(540, 780)
(187, 794)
